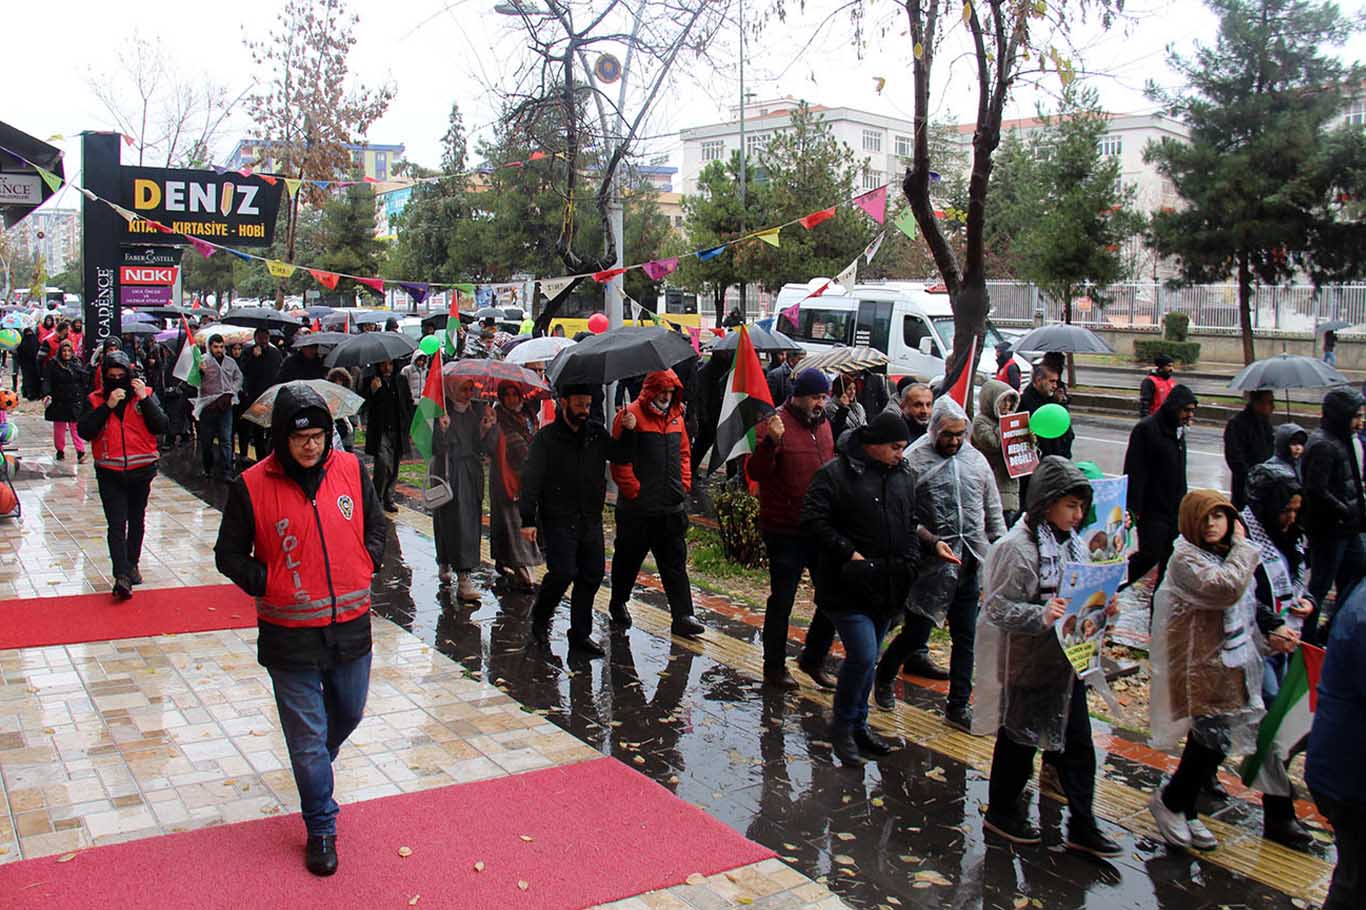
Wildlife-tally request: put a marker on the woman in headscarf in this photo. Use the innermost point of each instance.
(1274, 498)
(1206, 659)
(1027, 692)
(843, 409)
(463, 435)
(26, 355)
(513, 555)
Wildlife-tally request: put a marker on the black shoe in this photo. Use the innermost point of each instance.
(321, 855)
(230, 478)
(620, 618)
(869, 743)
(1089, 839)
(389, 506)
(123, 588)
(61, 456)
(135, 576)
(780, 679)
(959, 718)
(846, 750)
(1014, 828)
(884, 696)
(586, 646)
(1288, 833)
(920, 664)
(688, 627)
(817, 674)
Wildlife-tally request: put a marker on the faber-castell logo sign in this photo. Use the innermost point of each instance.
(228, 208)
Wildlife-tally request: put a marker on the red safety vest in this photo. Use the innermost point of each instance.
(1161, 389)
(1003, 374)
(125, 443)
(317, 568)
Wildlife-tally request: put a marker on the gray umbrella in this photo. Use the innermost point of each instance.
(370, 347)
(258, 317)
(1333, 325)
(762, 339)
(1068, 339)
(1286, 371)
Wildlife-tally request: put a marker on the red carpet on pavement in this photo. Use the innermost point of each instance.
(559, 839)
(38, 621)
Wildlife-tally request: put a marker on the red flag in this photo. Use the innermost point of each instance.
(607, 275)
(962, 386)
(317, 324)
(815, 218)
(326, 279)
(375, 284)
(1313, 666)
(268, 179)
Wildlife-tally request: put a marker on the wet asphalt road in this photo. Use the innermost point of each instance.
(1104, 439)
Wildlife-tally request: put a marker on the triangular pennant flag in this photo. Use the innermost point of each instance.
(815, 218)
(849, 277)
(711, 253)
(874, 204)
(607, 275)
(87, 194)
(905, 222)
(375, 284)
(537, 156)
(871, 250)
(658, 268)
(127, 139)
(292, 184)
(245, 170)
(320, 184)
(326, 279)
(127, 215)
(770, 236)
(203, 247)
(417, 290)
(245, 257)
(317, 324)
(551, 287)
(279, 269)
(53, 182)
(56, 137)
(268, 179)
(219, 169)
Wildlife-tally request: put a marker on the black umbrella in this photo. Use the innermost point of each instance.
(1069, 339)
(257, 317)
(763, 340)
(1286, 371)
(322, 339)
(618, 354)
(371, 316)
(369, 347)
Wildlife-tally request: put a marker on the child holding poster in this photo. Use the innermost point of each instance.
(1028, 693)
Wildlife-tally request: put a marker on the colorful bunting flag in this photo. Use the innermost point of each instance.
(375, 284)
(537, 156)
(874, 204)
(417, 290)
(905, 222)
(202, 247)
(219, 169)
(53, 182)
(607, 275)
(712, 253)
(245, 170)
(269, 179)
(551, 287)
(292, 184)
(245, 257)
(871, 250)
(815, 218)
(279, 269)
(127, 215)
(127, 139)
(658, 268)
(849, 277)
(326, 279)
(770, 236)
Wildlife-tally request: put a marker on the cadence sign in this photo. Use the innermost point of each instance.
(225, 208)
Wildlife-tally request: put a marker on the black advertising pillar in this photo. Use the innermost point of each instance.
(101, 228)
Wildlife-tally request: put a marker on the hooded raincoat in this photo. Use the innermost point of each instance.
(956, 499)
(1024, 682)
(1332, 477)
(1206, 652)
(995, 400)
(1281, 460)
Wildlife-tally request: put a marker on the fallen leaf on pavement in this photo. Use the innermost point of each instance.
(412, 902)
(66, 857)
(697, 878)
(479, 866)
(525, 837)
(405, 851)
(844, 860)
(523, 885)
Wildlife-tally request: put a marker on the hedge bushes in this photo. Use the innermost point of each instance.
(737, 519)
(1186, 352)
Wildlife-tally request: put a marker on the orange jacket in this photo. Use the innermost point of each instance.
(655, 475)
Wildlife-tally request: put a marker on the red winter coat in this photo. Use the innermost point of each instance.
(655, 473)
(784, 469)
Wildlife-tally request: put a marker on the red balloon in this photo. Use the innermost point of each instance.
(8, 503)
(597, 323)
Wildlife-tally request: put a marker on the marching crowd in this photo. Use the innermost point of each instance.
(898, 504)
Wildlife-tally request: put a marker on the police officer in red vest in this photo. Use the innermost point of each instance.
(121, 421)
(1156, 386)
(1007, 370)
(303, 532)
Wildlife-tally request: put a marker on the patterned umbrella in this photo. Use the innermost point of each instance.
(845, 360)
(341, 402)
(488, 375)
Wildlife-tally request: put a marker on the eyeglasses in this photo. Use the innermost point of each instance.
(308, 439)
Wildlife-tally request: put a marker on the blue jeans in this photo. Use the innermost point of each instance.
(318, 711)
(862, 636)
(218, 425)
(1337, 561)
(1273, 671)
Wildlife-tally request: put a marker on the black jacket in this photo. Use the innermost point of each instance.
(1248, 440)
(856, 505)
(260, 372)
(280, 646)
(1031, 400)
(297, 366)
(65, 384)
(1332, 478)
(388, 411)
(564, 479)
(1156, 462)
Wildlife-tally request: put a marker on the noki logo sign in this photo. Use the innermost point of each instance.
(159, 275)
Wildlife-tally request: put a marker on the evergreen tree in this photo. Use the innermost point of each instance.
(711, 217)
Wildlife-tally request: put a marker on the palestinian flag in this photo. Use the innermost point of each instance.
(746, 402)
(187, 364)
(431, 406)
(961, 387)
(1287, 721)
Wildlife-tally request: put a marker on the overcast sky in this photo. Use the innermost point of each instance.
(437, 51)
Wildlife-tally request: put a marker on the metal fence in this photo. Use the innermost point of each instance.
(1290, 308)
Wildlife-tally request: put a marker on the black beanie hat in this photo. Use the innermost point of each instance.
(885, 427)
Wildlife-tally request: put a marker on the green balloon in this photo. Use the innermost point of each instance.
(9, 339)
(1050, 421)
(429, 345)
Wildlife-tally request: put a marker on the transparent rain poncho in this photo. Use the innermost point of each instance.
(1023, 682)
(957, 500)
(1196, 689)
